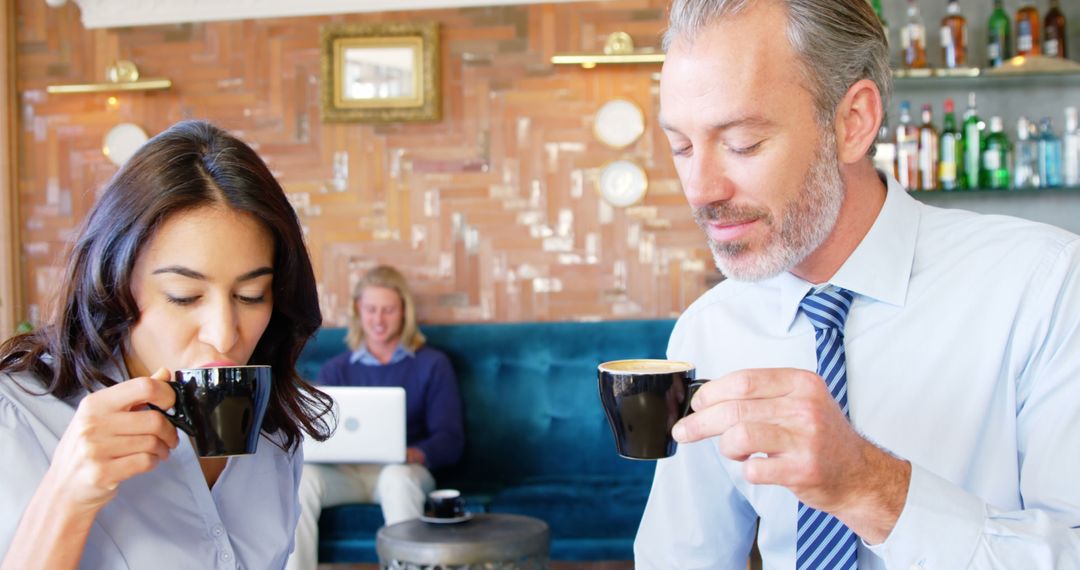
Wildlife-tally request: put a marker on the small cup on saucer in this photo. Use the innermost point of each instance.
(444, 504)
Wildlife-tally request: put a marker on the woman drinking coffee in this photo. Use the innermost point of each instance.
(191, 258)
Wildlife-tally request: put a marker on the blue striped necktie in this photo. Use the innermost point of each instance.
(823, 541)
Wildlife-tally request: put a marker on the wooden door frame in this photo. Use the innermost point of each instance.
(11, 302)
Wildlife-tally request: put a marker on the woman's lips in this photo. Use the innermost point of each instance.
(730, 231)
(217, 363)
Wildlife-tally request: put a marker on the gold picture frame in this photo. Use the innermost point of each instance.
(381, 73)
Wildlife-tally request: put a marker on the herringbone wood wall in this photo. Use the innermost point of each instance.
(492, 213)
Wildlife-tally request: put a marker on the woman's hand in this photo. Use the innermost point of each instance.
(113, 437)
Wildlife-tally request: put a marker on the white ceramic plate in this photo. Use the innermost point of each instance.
(122, 141)
(619, 123)
(623, 183)
(454, 520)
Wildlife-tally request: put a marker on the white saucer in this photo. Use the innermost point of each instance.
(454, 520)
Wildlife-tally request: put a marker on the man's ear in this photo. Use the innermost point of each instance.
(858, 118)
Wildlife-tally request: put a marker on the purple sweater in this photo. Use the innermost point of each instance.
(432, 403)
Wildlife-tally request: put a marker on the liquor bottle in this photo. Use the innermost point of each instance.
(1027, 30)
(913, 38)
(876, 4)
(999, 39)
(907, 149)
(995, 157)
(950, 158)
(973, 145)
(1026, 166)
(953, 37)
(1049, 155)
(1070, 159)
(928, 151)
(885, 153)
(1054, 32)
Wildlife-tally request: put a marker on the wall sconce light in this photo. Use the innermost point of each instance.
(122, 76)
(619, 48)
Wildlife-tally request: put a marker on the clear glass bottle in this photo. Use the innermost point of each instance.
(996, 156)
(1027, 30)
(953, 37)
(1049, 155)
(973, 145)
(1070, 159)
(885, 153)
(999, 38)
(913, 39)
(1026, 165)
(928, 151)
(951, 146)
(1054, 32)
(907, 149)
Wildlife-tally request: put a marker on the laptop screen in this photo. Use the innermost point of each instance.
(370, 427)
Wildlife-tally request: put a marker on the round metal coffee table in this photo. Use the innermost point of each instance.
(490, 541)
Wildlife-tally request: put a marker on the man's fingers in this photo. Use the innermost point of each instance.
(749, 384)
(748, 438)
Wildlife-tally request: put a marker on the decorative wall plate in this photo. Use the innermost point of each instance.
(619, 123)
(623, 183)
(122, 141)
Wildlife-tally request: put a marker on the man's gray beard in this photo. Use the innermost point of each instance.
(807, 221)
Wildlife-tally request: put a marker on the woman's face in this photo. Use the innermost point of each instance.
(203, 287)
(382, 315)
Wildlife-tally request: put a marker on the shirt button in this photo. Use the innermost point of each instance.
(218, 531)
(916, 567)
(226, 556)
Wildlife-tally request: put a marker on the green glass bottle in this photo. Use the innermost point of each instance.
(973, 127)
(951, 147)
(996, 155)
(999, 39)
(876, 4)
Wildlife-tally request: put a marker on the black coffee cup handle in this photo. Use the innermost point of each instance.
(694, 385)
(178, 418)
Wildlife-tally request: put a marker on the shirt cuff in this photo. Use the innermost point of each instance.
(939, 527)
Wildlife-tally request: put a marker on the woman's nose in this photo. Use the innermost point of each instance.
(220, 328)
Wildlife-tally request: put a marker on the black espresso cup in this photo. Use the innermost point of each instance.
(221, 408)
(444, 504)
(642, 399)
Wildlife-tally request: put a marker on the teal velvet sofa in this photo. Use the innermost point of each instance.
(537, 442)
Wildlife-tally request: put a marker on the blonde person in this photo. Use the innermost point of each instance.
(91, 477)
(386, 349)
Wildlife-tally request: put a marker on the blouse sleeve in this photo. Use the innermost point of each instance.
(24, 465)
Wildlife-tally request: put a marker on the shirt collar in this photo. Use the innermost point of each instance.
(362, 356)
(880, 266)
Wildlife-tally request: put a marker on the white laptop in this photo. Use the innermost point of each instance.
(370, 427)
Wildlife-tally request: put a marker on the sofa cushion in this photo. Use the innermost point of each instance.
(590, 519)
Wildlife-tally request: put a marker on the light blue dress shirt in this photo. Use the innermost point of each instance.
(167, 518)
(364, 356)
(963, 356)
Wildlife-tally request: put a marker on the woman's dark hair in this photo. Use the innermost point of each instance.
(193, 164)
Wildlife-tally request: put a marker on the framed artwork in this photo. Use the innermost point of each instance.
(381, 73)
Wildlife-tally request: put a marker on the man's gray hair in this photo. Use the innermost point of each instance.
(838, 42)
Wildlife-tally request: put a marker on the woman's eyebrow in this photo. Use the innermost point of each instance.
(192, 274)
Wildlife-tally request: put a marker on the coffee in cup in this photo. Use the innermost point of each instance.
(642, 399)
(444, 504)
(221, 408)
